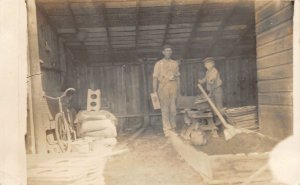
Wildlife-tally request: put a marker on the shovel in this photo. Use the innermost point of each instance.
(229, 131)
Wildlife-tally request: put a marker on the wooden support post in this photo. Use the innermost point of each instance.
(35, 79)
(30, 124)
(146, 96)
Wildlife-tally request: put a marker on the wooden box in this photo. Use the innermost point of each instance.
(223, 169)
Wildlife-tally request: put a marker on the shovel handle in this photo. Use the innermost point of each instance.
(215, 109)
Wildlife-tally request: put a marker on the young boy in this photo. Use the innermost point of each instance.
(213, 82)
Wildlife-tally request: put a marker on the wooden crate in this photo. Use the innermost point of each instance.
(222, 169)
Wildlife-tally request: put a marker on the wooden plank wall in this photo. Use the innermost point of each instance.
(275, 66)
(51, 67)
(50, 59)
(122, 86)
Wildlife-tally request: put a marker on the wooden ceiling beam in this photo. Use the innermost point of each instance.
(73, 16)
(138, 4)
(106, 25)
(84, 52)
(250, 27)
(219, 33)
(169, 21)
(194, 29)
(44, 13)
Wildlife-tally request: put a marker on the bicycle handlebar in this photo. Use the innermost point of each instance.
(66, 91)
(64, 94)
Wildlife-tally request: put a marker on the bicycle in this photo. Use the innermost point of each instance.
(64, 131)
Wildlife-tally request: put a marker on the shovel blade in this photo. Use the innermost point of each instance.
(230, 133)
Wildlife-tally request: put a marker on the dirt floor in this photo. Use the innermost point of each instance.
(241, 143)
(147, 163)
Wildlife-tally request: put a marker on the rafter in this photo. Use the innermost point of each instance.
(169, 20)
(72, 16)
(44, 13)
(194, 29)
(246, 31)
(138, 4)
(106, 25)
(219, 33)
(77, 28)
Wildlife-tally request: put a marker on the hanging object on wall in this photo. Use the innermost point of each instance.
(93, 100)
(47, 47)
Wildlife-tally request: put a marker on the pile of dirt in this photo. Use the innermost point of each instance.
(241, 143)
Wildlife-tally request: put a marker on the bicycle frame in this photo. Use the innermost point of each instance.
(65, 122)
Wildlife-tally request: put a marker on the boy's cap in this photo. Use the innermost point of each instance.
(209, 60)
(167, 46)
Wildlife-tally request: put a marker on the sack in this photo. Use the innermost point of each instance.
(89, 115)
(198, 137)
(107, 133)
(97, 125)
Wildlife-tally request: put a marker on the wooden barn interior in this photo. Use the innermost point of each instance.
(112, 45)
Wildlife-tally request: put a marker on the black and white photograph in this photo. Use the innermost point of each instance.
(149, 92)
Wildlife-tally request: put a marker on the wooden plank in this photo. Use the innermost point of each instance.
(275, 46)
(153, 3)
(198, 18)
(184, 25)
(276, 19)
(192, 156)
(284, 98)
(152, 27)
(278, 32)
(146, 93)
(277, 72)
(138, 2)
(236, 27)
(154, 37)
(276, 121)
(269, 9)
(169, 20)
(210, 28)
(121, 4)
(282, 85)
(187, 2)
(180, 30)
(220, 29)
(103, 39)
(96, 43)
(107, 25)
(35, 80)
(122, 34)
(285, 57)
(122, 28)
(151, 32)
(261, 3)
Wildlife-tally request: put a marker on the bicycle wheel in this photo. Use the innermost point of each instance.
(71, 114)
(62, 133)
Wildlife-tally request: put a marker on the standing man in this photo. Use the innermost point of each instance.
(166, 85)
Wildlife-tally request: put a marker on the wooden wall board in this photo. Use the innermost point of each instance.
(276, 120)
(285, 98)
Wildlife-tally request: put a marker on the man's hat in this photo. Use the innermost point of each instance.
(209, 60)
(167, 46)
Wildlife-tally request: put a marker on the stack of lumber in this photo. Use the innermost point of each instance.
(75, 169)
(243, 117)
